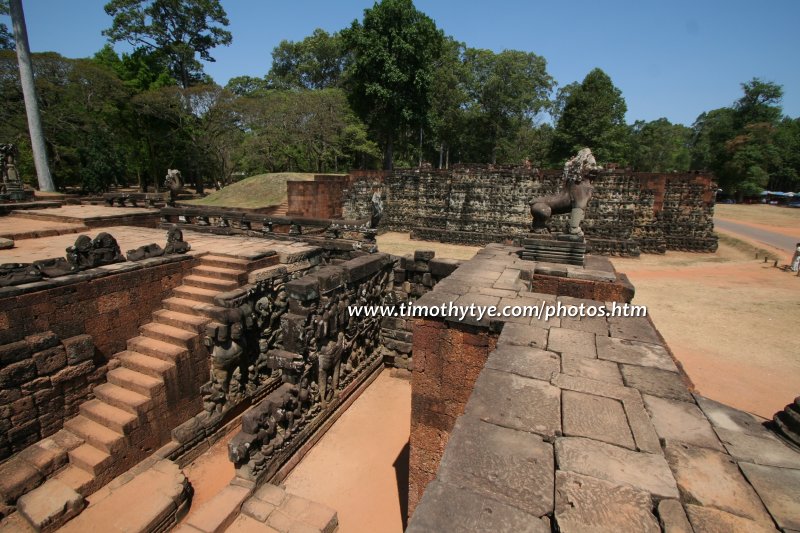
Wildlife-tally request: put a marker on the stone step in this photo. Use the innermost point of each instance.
(90, 459)
(78, 480)
(181, 320)
(124, 399)
(182, 305)
(232, 274)
(49, 506)
(195, 293)
(136, 381)
(168, 334)
(109, 416)
(157, 348)
(213, 284)
(99, 436)
(223, 261)
(145, 364)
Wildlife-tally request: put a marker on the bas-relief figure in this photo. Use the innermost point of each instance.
(573, 197)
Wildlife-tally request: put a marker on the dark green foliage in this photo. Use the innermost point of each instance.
(178, 30)
(316, 62)
(660, 146)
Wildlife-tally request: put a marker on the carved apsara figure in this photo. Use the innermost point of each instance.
(377, 210)
(573, 197)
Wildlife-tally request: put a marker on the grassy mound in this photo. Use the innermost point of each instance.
(254, 192)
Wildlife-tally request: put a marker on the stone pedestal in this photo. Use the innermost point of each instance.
(554, 248)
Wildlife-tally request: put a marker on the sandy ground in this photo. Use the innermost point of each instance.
(211, 472)
(401, 244)
(360, 466)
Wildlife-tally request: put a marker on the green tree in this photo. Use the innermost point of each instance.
(177, 29)
(6, 39)
(593, 117)
(246, 85)
(316, 62)
(660, 146)
(449, 99)
(141, 70)
(759, 104)
(393, 63)
(787, 141)
(506, 91)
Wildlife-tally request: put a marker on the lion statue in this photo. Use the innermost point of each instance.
(173, 182)
(573, 198)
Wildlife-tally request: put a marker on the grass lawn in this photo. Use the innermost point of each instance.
(262, 190)
(769, 215)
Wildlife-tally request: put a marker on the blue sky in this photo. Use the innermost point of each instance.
(670, 58)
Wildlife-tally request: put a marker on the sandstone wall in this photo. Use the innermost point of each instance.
(629, 213)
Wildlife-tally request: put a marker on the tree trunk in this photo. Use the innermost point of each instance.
(388, 154)
(29, 93)
(447, 159)
(441, 154)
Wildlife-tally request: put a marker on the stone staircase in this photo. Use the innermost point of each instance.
(279, 210)
(154, 388)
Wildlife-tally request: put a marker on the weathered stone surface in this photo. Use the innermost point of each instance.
(270, 493)
(779, 489)
(656, 382)
(515, 402)
(672, 517)
(50, 360)
(257, 509)
(6, 244)
(527, 362)
(709, 520)
(711, 478)
(313, 515)
(16, 478)
(220, 511)
(79, 348)
(596, 369)
(580, 343)
(682, 422)
(510, 466)
(767, 450)
(634, 329)
(595, 417)
(644, 471)
(46, 456)
(449, 508)
(595, 325)
(523, 335)
(725, 417)
(634, 353)
(50, 505)
(588, 504)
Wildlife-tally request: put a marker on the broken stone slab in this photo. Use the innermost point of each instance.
(682, 422)
(710, 520)
(516, 402)
(523, 335)
(595, 417)
(648, 472)
(217, 513)
(656, 382)
(726, 417)
(711, 478)
(510, 466)
(50, 505)
(634, 353)
(313, 515)
(768, 450)
(673, 518)
(595, 369)
(16, 478)
(523, 361)
(581, 343)
(779, 489)
(446, 507)
(589, 504)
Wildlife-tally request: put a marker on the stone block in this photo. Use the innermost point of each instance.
(217, 513)
(513, 467)
(595, 417)
(725, 417)
(644, 471)
(42, 341)
(709, 520)
(581, 343)
(446, 507)
(424, 255)
(594, 369)
(524, 361)
(270, 493)
(656, 382)
(50, 361)
(315, 515)
(779, 489)
(682, 422)
(79, 348)
(14, 352)
(45, 455)
(49, 506)
(634, 353)
(634, 329)
(763, 450)
(516, 402)
(672, 517)
(16, 478)
(72, 372)
(257, 509)
(710, 478)
(17, 373)
(523, 335)
(441, 268)
(589, 504)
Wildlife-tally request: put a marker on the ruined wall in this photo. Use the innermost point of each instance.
(321, 198)
(629, 213)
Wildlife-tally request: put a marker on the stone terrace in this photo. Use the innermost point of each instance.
(585, 425)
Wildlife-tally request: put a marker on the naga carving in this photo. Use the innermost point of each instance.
(573, 198)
